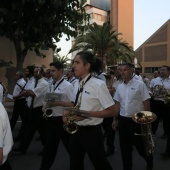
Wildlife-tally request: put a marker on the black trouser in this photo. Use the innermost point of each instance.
(168, 127)
(18, 110)
(110, 133)
(5, 166)
(34, 122)
(127, 139)
(24, 123)
(54, 132)
(88, 140)
(161, 110)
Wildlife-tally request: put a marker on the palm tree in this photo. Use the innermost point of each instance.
(63, 59)
(104, 43)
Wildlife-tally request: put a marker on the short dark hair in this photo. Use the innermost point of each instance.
(168, 68)
(31, 69)
(128, 64)
(58, 65)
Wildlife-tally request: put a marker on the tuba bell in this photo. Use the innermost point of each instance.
(158, 91)
(145, 118)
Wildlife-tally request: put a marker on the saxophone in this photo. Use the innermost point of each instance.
(48, 111)
(145, 118)
(71, 127)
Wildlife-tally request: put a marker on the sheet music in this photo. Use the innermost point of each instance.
(10, 96)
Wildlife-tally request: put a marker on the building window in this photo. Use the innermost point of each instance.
(98, 17)
(151, 69)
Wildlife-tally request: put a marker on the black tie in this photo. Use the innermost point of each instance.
(32, 101)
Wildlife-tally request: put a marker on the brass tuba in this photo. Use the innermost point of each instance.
(158, 91)
(145, 118)
(71, 127)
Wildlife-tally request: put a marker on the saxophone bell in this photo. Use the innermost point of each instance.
(48, 111)
(71, 127)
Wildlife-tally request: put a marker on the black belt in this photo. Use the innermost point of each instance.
(88, 127)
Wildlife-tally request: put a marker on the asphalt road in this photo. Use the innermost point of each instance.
(31, 160)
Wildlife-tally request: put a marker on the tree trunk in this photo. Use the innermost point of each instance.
(20, 54)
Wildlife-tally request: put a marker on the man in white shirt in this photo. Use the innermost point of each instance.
(1, 93)
(131, 97)
(35, 101)
(94, 98)
(48, 78)
(19, 101)
(161, 107)
(29, 74)
(55, 130)
(156, 74)
(6, 140)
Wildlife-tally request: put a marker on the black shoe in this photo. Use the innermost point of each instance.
(109, 152)
(149, 166)
(16, 139)
(41, 152)
(164, 136)
(165, 155)
(18, 150)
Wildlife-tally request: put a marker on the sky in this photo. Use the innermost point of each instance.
(149, 16)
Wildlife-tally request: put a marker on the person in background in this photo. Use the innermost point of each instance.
(29, 74)
(158, 105)
(71, 77)
(131, 97)
(48, 78)
(19, 101)
(6, 141)
(146, 81)
(1, 93)
(156, 74)
(95, 100)
(35, 101)
(109, 132)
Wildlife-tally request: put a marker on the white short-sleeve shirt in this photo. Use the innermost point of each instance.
(19, 87)
(131, 97)
(1, 93)
(95, 97)
(65, 88)
(6, 141)
(40, 91)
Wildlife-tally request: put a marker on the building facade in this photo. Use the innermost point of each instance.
(155, 51)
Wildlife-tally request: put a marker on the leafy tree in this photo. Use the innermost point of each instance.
(33, 24)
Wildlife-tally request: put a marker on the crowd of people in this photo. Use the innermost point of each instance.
(101, 111)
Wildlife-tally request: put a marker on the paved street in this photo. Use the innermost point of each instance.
(31, 160)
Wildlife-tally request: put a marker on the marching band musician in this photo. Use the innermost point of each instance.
(6, 140)
(161, 108)
(93, 98)
(131, 97)
(158, 105)
(35, 101)
(55, 130)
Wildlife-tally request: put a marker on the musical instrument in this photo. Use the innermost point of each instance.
(145, 118)
(71, 127)
(158, 91)
(48, 111)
